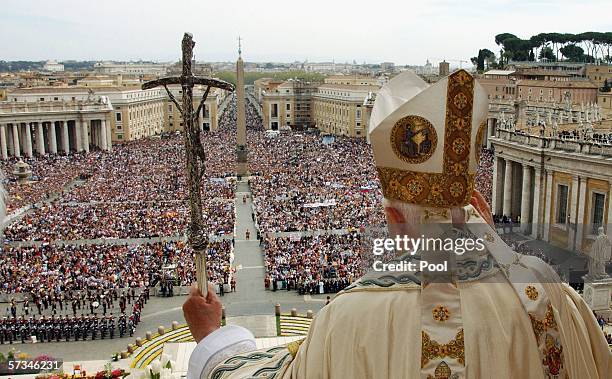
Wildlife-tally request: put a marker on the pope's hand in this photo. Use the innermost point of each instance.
(203, 315)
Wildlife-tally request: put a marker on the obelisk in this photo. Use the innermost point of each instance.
(241, 144)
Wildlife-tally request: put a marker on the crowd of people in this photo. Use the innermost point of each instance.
(313, 264)
(300, 182)
(50, 174)
(78, 221)
(484, 174)
(66, 268)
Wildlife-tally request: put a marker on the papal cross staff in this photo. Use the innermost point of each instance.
(194, 152)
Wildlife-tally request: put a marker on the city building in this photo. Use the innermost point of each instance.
(519, 85)
(53, 66)
(599, 73)
(548, 69)
(133, 68)
(560, 188)
(604, 100)
(387, 66)
(136, 113)
(49, 127)
(288, 105)
(443, 68)
(578, 91)
(354, 80)
(208, 116)
(339, 108)
(264, 85)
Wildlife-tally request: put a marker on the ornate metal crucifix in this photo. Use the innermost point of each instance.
(194, 152)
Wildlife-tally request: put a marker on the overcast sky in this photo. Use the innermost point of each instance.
(404, 32)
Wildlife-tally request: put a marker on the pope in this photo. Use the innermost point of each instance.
(493, 314)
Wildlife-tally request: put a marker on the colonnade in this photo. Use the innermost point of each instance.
(19, 139)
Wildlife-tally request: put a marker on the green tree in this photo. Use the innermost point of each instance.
(499, 40)
(488, 57)
(520, 48)
(556, 39)
(480, 61)
(573, 52)
(537, 42)
(548, 54)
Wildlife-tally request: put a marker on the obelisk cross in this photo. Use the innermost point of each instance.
(194, 152)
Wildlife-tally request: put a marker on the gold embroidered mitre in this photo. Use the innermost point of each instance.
(426, 138)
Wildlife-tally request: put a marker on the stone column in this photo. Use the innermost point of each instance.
(85, 136)
(548, 219)
(109, 139)
(572, 212)
(582, 189)
(28, 140)
(537, 203)
(16, 149)
(496, 200)
(507, 210)
(65, 138)
(3, 149)
(9, 140)
(52, 138)
(526, 200)
(77, 135)
(40, 139)
(103, 137)
(608, 230)
(490, 123)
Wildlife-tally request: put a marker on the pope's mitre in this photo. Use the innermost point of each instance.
(426, 138)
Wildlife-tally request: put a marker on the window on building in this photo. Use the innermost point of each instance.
(119, 127)
(56, 98)
(562, 197)
(274, 110)
(288, 106)
(42, 99)
(119, 136)
(118, 116)
(598, 202)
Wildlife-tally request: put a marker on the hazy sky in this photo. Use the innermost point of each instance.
(404, 32)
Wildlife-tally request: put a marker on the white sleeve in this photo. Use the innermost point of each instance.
(217, 347)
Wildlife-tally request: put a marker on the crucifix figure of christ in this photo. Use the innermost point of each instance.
(194, 152)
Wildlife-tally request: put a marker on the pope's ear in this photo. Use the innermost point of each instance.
(478, 201)
(394, 216)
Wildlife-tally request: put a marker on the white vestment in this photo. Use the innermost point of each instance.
(387, 325)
